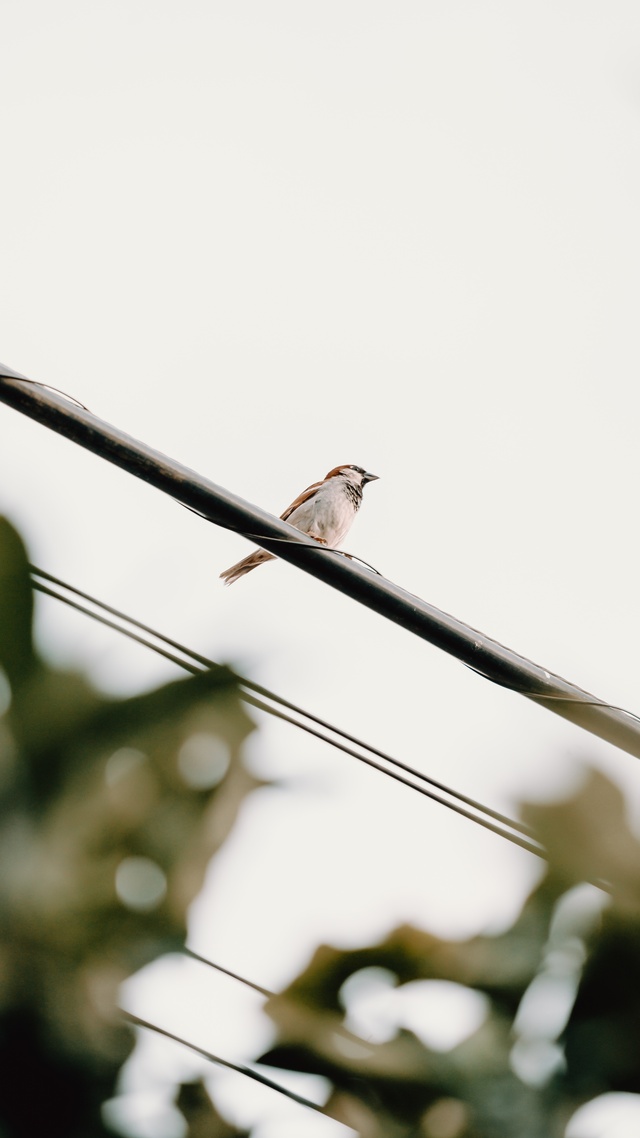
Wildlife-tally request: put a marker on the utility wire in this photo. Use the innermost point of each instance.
(340, 1030)
(242, 1069)
(204, 664)
(490, 659)
(251, 684)
(227, 972)
(259, 689)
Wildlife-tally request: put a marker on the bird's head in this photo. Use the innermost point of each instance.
(355, 474)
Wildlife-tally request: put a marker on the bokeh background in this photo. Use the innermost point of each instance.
(270, 238)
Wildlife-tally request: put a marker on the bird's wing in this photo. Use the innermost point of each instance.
(304, 497)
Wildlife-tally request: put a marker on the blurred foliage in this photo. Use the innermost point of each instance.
(561, 988)
(201, 1116)
(111, 810)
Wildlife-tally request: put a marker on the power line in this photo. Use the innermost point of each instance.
(241, 1068)
(204, 664)
(259, 689)
(486, 656)
(227, 972)
(250, 1072)
(339, 1030)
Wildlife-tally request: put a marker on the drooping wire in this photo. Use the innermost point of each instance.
(49, 387)
(196, 663)
(313, 543)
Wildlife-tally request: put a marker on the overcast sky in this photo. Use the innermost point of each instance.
(269, 238)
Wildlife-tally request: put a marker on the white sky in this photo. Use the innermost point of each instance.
(268, 238)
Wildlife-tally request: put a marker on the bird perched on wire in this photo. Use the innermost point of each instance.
(324, 511)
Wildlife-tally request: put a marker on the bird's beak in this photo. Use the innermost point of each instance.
(369, 478)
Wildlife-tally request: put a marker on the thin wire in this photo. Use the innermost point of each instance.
(519, 826)
(525, 845)
(259, 689)
(227, 972)
(240, 1067)
(311, 545)
(339, 1030)
(530, 847)
(560, 698)
(537, 850)
(126, 632)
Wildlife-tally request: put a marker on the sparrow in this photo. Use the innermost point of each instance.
(324, 511)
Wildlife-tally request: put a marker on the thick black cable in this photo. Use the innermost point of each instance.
(529, 846)
(486, 656)
(241, 1068)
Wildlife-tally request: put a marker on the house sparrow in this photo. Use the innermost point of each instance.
(324, 511)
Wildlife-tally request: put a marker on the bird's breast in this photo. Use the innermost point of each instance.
(329, 514)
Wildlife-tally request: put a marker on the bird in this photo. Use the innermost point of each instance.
(324, 511)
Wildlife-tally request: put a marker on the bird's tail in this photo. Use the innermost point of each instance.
(246, 565)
